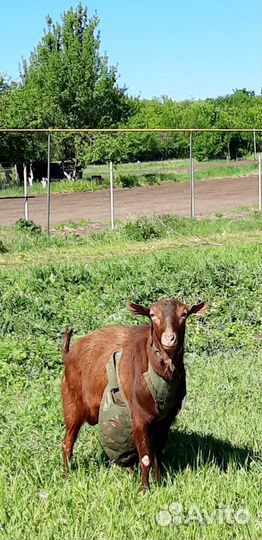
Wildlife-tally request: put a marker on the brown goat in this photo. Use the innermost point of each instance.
(158, 345)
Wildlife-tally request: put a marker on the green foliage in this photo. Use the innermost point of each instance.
(67, 83)
(78, 88)
(28, 225)
(142, 229)
(242, 109)
(127, 181)
(14, 178)
(150, 179)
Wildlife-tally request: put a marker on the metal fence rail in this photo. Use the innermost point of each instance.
(131, 130)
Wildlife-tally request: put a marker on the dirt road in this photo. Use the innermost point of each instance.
(211, 196)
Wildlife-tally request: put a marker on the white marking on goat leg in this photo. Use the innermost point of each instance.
(145, 460)
(183, 403)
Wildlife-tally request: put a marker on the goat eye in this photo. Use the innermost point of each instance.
(154, 318)
(184, 315)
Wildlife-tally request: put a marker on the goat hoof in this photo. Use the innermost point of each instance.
(131, 471)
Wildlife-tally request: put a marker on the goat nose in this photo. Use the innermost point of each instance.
(171, 338)
(168, 339)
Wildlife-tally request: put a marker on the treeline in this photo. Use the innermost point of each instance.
(242, 109)
(67, 83)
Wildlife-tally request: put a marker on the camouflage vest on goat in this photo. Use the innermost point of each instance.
(114, 415)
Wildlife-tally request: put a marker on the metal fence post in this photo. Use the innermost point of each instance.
(48, 182)
(26, 193)
(260, 181)
(255, 144)
(192, 180)
(112, 213)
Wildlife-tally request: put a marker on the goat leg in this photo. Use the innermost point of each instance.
(142, 442)
(160, 435)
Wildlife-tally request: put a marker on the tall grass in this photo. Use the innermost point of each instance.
(21, 243)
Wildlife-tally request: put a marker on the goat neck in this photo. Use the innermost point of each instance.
(166, 364)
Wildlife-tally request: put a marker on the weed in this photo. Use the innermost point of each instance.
(28, 225)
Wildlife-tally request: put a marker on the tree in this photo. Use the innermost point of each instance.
(67, 83)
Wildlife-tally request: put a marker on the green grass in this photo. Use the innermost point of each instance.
(73, 241)
(141, 168)
(142, 174)
(212, 457)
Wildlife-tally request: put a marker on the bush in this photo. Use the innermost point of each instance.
(9, 179)
(127, 181)
(143, 229)
(28, 225)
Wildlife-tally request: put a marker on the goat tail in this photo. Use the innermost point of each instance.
(65, 349)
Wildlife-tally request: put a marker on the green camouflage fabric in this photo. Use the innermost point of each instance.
(114, 418)
(114, 415)
(163, 392)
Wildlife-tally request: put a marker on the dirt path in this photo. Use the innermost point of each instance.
(211, 196)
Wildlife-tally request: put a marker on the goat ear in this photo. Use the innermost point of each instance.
(198, 309)
(138, 310)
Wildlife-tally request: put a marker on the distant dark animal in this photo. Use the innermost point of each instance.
(129, 374)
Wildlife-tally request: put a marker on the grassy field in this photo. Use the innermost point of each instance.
(85, 280)
(172, 166)
(141, 174)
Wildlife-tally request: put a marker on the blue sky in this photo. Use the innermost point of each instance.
(179, 48)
